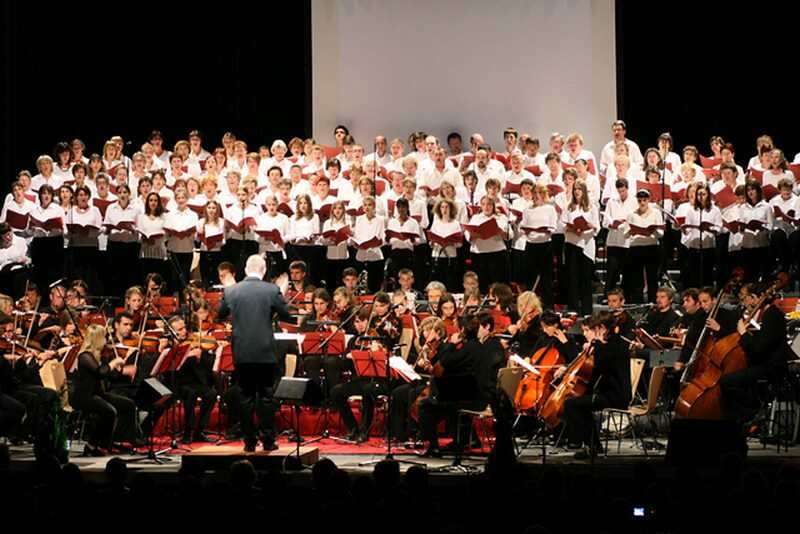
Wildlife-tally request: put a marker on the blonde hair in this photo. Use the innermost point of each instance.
(94, 341)
(433, 323)
(584, 203)
(527, 302)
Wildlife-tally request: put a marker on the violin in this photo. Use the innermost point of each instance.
(424, 362)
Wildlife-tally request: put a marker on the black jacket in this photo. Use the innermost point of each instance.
(612, 371)
(767, 346)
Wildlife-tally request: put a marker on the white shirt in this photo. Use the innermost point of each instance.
(544, 216)
(149, 227)
(584, 154)
(705, 239)
(616, 211)
(267, 222)
(303, 229)
(336, 252)
(90, 218)
(211, 230)
(17, 252)
(760, 212)
(364, 230)
(610, 190)
(410, 226)
(607, 155)
(303, 187)
(51, 213)
(116, 215)
(493, 244)
(586, 239)
(653, 217)
(54, 181)
(16, 215)
(444, 229)
(234, 215)
(180, 221)
(792, 204)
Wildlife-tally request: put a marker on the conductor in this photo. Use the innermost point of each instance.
(251, 304)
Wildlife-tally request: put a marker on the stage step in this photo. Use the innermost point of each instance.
(211, 457)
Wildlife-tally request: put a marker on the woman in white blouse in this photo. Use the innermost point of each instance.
(181, 227)
(240, 239)
(150, 225)
(785, 238)
(581, 225)
(211, 234)
(46, 227)
(757, 219)
(123, 242)
(304, 239)
(645, 228)
(537, 226)
(447, 266)
(489, 255)
(701, 227)
(519, 269)
(336, 256)
(401, 248)
(271, 221)
(84, 223)
(369, 232)
(17, 209)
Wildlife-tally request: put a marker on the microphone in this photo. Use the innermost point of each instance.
(58, 282)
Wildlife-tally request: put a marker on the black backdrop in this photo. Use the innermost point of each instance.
(699, 69)
(124, 68)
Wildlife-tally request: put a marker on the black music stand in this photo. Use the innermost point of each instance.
(375, 364)
(458, 391)
(294, 391)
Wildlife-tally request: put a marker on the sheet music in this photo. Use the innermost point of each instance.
(525, 365)
(403, 368)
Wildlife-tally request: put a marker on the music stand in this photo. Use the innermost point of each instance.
(323, 344)
(375, 364)
(294, 391)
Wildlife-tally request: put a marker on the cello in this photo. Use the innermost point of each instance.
(534, 388)
(701, 396)
(575, 382)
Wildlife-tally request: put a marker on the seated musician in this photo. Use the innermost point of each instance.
(527, 330)
(616, 305)
(481, 356)
(406, 280)
(332, 364)
(114, 415)
(344, 306)
(553, 335)
(134, 305)
(368, 387)
(448, 313)
(610, 384)
(227, 273)
(697, 305)
(434, 291)
(194, 379)
(763, 332)
(14, 260)
(661, 319)
(298, 281)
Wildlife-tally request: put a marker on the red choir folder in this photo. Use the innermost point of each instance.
(430, 192)
(787, 216)
(445, 241)
(505, 160)
(538, 229)
(616, 224)
(273, 236)
(654, 190)
(380, 187)
(466, 159)
(337, 236)
(534, 170)
(795, 168)
(180, 234)
(679, 196)
(589, 163)
(16, 220)
(725, 197)
(485, 230)
(150, 239)
(242, 226)
(102, 204)
(707, 163)
(284, 208)
(385, 174)
(554, 189)
(402, 236)
(705, 226)
(355, 212)
(56, 223)
(211, 241)
(515, 213)
(756, 175)
(473, 209)
(75, 228)
(122, 226)
(512, 188)
(199, 210)
(32, 196)
(373, 242)
(324, 211)
(732, 226)
(755, 225)
(331, 151)
(644, 230)
(770, 191)
(579, 225)
(711, 174)
(308, 175)
(668, 165)
(390, 207)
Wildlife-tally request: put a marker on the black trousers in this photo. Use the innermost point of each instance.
(179, 270)
(617, 267)
(123, 269)
(757, 263)
(256, 382)
(561, 275)
(578, 416)
(115, 418)
(431, 412)
(47, 256)
(333, 366)
(580, 270)
(333, 272)
(739, 397)
(189, 394)
(701, 267)
(313, 256)
(644, 266)
(11, 414)
(403, 398)
(148, 266)
(422, 264)
(369, 389)
(401, 259)
(276, 264)
(491, 268)
(538, 263)
(209, 261)
(38, 402)
(237, 251)
(722, 258)
(449, 271)
(83, 265)
(785, 249)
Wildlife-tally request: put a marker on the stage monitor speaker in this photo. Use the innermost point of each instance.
(298, 391)
(700, 442)
(153, 392)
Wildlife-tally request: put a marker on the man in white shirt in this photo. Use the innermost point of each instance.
(381, 155)
(618, 131)
(455, 144)
(13, 259)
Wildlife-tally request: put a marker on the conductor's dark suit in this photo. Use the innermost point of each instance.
(251, 304)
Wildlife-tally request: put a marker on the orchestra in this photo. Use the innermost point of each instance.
(455, 263)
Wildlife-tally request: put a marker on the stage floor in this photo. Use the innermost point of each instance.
(359, 459)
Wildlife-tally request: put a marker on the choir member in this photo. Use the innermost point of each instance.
(581, 226)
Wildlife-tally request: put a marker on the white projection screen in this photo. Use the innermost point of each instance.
(393, 67)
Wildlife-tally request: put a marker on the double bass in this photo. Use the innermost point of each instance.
(701, 396)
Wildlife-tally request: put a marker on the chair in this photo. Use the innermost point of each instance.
(634, 411)
(483, 433)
